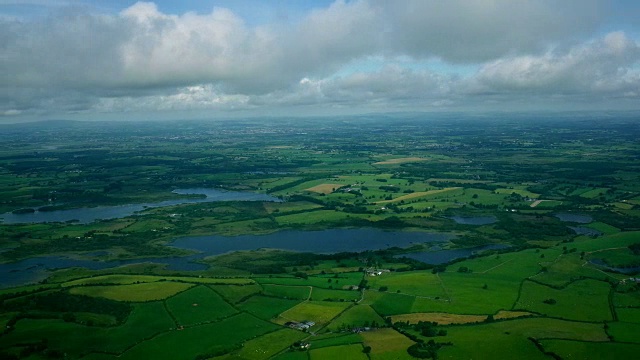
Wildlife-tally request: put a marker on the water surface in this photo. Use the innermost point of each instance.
(444, 256)
(575, 218)
(474, 220)
(325, 241)
(581, 230)
(88, 215)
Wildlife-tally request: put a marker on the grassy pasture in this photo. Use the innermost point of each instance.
(267, 308)
(324, 188)
(565, 269)
(287, 292)
(594, 193)
(286, 207)
(424, 194)
(356, 316)
(624, 331)
(236, 293)
(134, 292)
(468, 295)
(504, 314)
(267, 345)
(145, 321)
(292, 355)
(622, 239)
(631, 315)
(315, 217)
(585, 300)
(629, 299)
(420, 283)
(588, 350)
(387, 344)
(389, 303)
(320, 312)
(619, 257)
(198, 340)
(197, 305)
(508, 339)
(326, 281)
(353, 351)
(399, 161)
(522, 192)
(440, 318)
(123, 279)
(335, 295)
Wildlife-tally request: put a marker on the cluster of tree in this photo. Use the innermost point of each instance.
(425, 328)
(62, 303)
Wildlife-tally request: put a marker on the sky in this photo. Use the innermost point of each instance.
(121, 60)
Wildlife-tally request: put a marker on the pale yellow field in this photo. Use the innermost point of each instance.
(134, 292)
(386, 340)
(125, 279)
(418, 194)
(400, 161)
(503, 314)
(324, 188)
(460, 181)
(319, 312)
(440, 318)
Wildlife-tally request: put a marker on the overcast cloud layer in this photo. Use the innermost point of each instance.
(365, 55)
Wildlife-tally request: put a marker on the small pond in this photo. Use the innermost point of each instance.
(444, 256)
(581, 230)
(325, 241)
(625, 270)
(87, 215)
(474, 220)
(574, 218)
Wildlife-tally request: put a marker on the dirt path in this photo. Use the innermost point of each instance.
(486, 271)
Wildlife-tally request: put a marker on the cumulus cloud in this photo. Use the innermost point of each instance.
(77, 60)
(480, 30)
(602, 66)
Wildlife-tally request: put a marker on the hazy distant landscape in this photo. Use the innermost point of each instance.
(445, 236)
(319, 180)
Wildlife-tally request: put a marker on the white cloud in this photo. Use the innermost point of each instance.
(602, 66)
(142, 58)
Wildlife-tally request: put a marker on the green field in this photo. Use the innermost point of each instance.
(199, 340)
(338, 352)
(585, 300)
(265, 307)
(387, 344)
(198, 305)
(356, 316)
(588, 350)
(234, 294)
(413, 283)
(288, 292)
(265, 346)
(508, 339)
(320, 312)
(144, 322)
(121, 279)
(134, 292)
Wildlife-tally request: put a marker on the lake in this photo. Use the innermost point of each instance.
(474, 220)
(444, 256)
(581, 230)
(575, 218)
(320, 242)
(88, 215)
(325, 241)
(625, 270)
